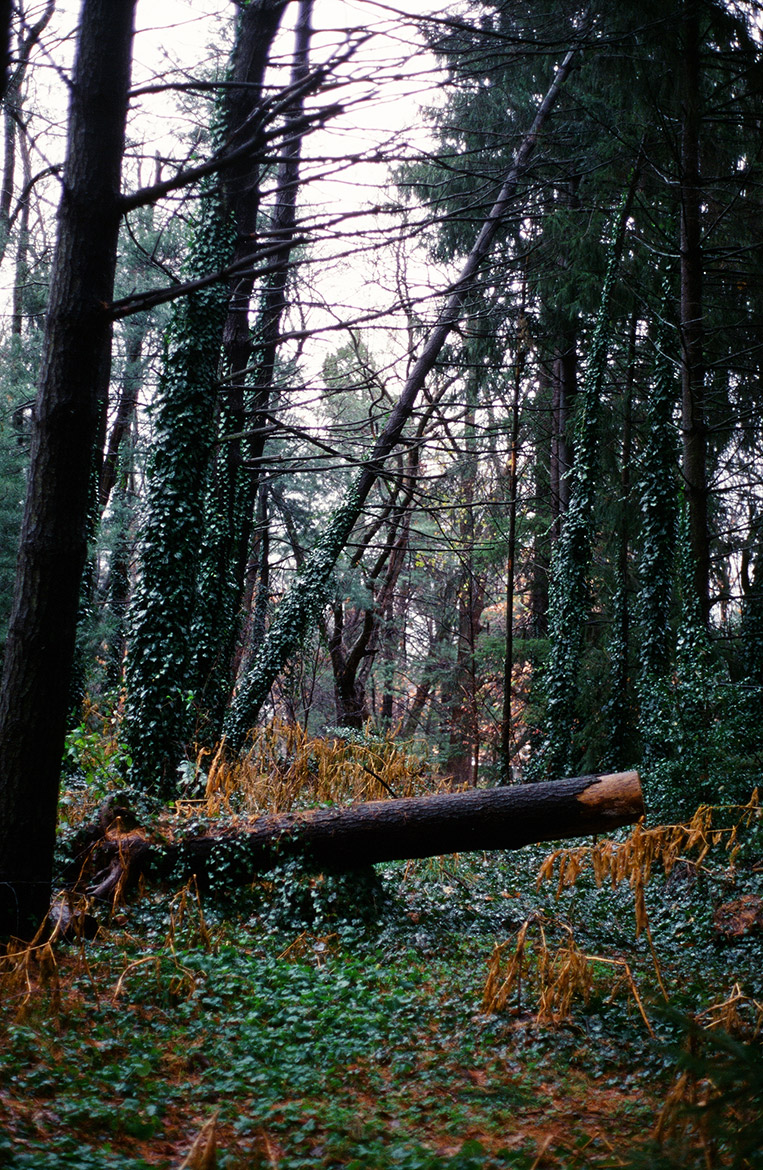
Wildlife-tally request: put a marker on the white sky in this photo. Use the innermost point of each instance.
(387, 83)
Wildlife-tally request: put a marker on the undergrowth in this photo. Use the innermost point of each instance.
(593, 1006)
(283, 767)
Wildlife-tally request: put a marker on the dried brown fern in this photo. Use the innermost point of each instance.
(28, 970)
(634, 859)
(557, 978)
(285, 767)
(566, 974)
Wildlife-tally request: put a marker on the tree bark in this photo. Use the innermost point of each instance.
(6, 17)
(341, 839)
(693, 410)
(70, 405)
(249, 374)
(513, 482)
(564, 388)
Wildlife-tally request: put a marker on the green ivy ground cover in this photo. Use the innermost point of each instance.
(326, 1024)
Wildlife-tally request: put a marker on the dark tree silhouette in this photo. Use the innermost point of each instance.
(67, 426)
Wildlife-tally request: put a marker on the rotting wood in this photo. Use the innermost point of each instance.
(353, 837)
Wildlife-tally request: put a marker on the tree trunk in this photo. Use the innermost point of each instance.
(299, 609)
(693, 420)
(564, 388)
(6, 16)
(508, 658)
(341, 839)
(70, 405)
(544, 494)
(127, 405)
(249, 349)
(181, 591)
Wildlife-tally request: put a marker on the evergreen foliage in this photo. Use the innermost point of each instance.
(658, 498)
(686, 735)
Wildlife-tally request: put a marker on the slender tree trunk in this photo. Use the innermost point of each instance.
(564, 383)
(242, 188)
(256, 595)
(434, 665)
(127, 405)
(70, 404)
(249, 358)
(508, 661)
(352, 660)
(10, 114)
(6, 15)
(693, 421)
(21, 275)
(11, 90)
(619, 707)
(390, 633)
(543, 489)
(462, 690)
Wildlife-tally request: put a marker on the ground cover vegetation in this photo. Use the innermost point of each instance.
(350, 455)
(599, 1006)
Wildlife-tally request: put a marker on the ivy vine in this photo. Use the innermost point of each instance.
(568, 593)
(159, 666)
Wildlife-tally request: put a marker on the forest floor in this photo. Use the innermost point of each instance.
(439, 1014)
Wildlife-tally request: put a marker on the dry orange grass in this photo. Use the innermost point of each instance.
(555, 977)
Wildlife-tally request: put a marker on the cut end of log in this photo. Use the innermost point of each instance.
(616, 797)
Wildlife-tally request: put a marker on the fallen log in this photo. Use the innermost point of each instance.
(353, 837)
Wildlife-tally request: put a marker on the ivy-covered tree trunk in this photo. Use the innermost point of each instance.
(568, 603)
(752, 643)
(300, 608)
(249, 367)
(658, 491)
(68, 413)
(159, 657)
(619, 707)
(693, 408)
(564, 387)
(160, 665)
